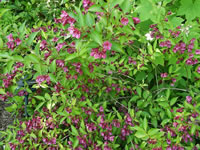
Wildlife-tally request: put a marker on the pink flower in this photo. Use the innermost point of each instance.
(74, 32)
(124, 21)
(43, 44)
(42, 78)
(98, 54)
(198, 70)
(107, 45)
(197, 52)
(11, 45)
(189, 99)
(18, 41)
(59, 46)
(64, 14)
(163, 75)
(101, 109)
(10, 37)
(60, 63)
(136, 20)
(55, 39)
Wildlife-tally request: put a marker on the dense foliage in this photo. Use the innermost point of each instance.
(115, 74)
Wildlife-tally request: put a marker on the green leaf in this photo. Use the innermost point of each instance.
(37, 49)
(152, 131)
(113, 3)
(140, 76)
(47, 96)
(154, 122)
(139, 91)
(18, 58)
(80, 17)
(75, 143)
(1, 43)
(44, 34)
(40, 98)
(52, 77)
(189, 8)
(164, 122)
(2, 11)
(11, 108)
(74, 131)
(9, 65)
(90, 19)
(148, 9)
(169, 113)
(95, 8)
(97, 37)
(158, 58)
(193, 129)
(117, 47)
(71, 56)
(145, 10)
(31, 38)
(175, 21)
(145, 124)
(126, 6)
(52, 67)
(22, 30)
(39, 106)
(34, 58)
(173, 101)
(167, 93)
(141, 134)
(2, 91)
(38, 68)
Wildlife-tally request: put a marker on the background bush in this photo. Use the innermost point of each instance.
(109, 75)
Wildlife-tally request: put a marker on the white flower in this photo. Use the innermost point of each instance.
(185, 29)
(148, 36)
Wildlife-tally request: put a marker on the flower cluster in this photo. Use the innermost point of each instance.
(74, 32)
(40, 79)
(12, 43)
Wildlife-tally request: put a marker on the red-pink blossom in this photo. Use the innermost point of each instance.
(18, 41)
(198, 69)
(163, 75)
(74, 32)
(136, 20)
(10, 37)
(107, 45)
(189, 99)
(124, 21)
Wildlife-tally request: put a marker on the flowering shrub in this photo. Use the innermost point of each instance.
(109, 75)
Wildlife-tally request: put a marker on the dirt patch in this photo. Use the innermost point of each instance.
(5, 117)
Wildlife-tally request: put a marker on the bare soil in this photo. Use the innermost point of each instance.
(5, 117)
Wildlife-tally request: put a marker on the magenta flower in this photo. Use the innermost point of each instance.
(11, 45)
(107, 45)
(197, 52)
(10, 37)
(64, 14)
(55, 39)
(18, 41)
(43, 44)
(42, 78)
(101, 109)
(124, 21)
(163, 75)
(136, 20)
(98, 54)
(60, 63)
(74, 32)
(60, 45)
(189, 99)
(198, 70)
